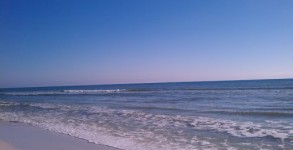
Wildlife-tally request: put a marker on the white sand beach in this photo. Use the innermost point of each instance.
(6, 146)
(19, 136)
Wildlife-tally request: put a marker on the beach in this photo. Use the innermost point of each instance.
(19, 136)
(6, 146)
(146, 75)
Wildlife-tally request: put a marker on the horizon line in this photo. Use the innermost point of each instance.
(144, 83)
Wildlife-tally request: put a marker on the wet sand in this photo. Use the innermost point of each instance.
(19, 136)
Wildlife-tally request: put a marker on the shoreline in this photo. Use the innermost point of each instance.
(21, 136)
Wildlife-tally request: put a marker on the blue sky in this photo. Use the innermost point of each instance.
(72, 42)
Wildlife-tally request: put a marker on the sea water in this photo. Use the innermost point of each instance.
(252, 114)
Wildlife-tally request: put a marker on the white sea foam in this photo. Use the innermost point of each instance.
(46, 105)
(28, 93)
(92, 91)
(6, 103)
(129, 129)
(32, 93)
(98, 134)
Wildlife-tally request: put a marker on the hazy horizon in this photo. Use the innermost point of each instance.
(56, 43)
(143, 83)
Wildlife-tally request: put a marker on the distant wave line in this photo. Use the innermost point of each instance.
(104, 91)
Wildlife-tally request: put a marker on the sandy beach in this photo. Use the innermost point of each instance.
(6, 146)
(19, 136)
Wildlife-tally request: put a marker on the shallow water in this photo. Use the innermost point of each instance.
(256, 114)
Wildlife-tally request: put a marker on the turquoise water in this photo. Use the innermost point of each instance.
(255, 114)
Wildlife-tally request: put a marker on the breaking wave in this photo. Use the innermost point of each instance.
(63, 92)
(129, 129)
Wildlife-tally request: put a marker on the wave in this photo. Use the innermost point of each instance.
(92, 91)
(44, 106)
(271, 113)
(157, 108)
(7, 104)
(129, 129)
(63, 92)
(103, 91)
(176, 120)
(240, 88)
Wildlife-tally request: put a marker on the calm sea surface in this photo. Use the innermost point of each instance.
(256, 114)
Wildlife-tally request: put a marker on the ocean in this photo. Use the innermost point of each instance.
(250, 114)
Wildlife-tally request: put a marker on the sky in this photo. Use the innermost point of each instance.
(87, 42)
